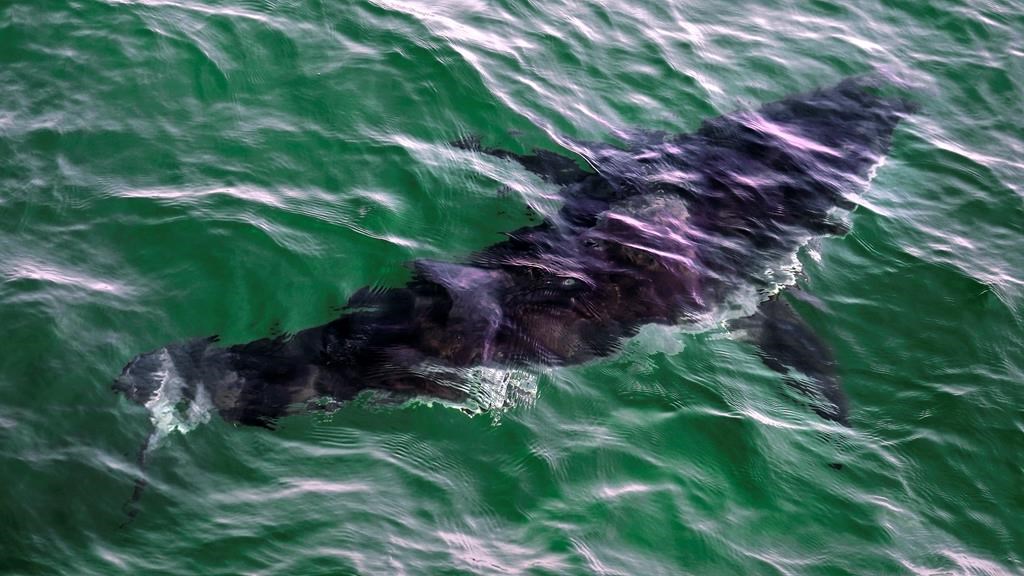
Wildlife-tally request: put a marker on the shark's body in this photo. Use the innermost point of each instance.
(672, 230)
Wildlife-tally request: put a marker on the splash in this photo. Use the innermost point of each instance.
(175, 407)
(486, 388)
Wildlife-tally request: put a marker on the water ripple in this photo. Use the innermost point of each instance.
(177, 168)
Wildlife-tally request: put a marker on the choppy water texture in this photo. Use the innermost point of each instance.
(171, 169)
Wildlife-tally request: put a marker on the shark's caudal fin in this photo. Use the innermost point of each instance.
(131, 506)
(183, 384)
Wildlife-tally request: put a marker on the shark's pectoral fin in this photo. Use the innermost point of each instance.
(788, 345)
(550, 166)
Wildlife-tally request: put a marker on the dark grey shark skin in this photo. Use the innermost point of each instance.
(665, 230)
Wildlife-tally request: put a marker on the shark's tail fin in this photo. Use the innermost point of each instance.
(131, 506)
(253, 383)
(169, 381)
(182, 384)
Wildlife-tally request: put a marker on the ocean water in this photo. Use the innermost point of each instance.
(178, 168)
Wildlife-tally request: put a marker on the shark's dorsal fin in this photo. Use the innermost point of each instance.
(475, 293)
(458, 279)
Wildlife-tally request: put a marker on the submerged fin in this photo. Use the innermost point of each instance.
(476, 309)
(550, 166)
(131, 506)
(473, 290)
(788, 345)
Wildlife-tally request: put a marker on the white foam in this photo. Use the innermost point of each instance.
(488, 389)
(169, 408)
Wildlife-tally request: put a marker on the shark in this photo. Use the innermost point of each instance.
(691, 229)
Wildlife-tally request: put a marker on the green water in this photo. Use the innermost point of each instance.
(179, 168)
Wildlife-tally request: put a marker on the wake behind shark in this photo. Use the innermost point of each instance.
(668, 229)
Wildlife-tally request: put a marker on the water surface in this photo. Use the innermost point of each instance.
(179, 168)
